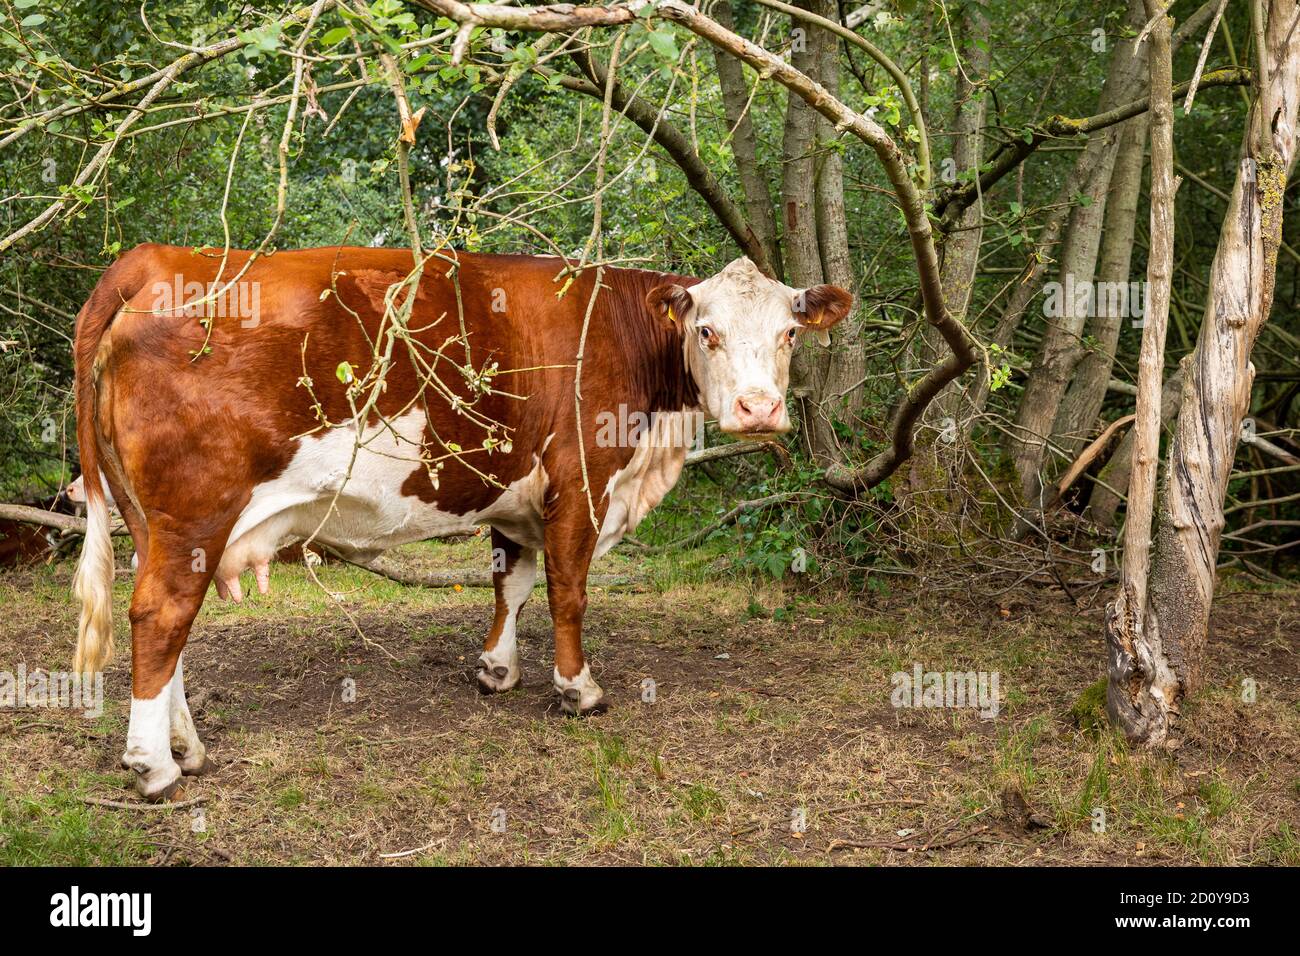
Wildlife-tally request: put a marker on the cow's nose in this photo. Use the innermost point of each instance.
(759, 411)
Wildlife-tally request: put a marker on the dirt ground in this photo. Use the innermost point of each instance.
(770, 738)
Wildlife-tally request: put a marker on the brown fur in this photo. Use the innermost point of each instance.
(187, 440)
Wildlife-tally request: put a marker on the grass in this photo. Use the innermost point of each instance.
(769, 701)
(57, 829)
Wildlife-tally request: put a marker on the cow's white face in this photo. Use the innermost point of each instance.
(741, 329)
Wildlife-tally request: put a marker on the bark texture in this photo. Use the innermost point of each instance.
(1083, 400)
(1156, 640)
(1061, 346)
(744, 146)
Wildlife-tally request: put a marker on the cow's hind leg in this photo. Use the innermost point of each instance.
(514, 571)
(187, 748)
(167, 596)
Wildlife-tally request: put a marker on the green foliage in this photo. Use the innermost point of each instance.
(60, 830)
(532, 190)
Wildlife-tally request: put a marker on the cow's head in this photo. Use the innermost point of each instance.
(740, 330)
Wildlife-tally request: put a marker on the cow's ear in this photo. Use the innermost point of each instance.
(670, 304)
(820, 308)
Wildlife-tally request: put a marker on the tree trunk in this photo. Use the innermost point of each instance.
(802, 251)
(744, 144)
(844, 364)
(1156, 637)
(1127, 633)
(1083, 400)
(959, 257)
(1028, 285)
(960, 251)
(1061, 346)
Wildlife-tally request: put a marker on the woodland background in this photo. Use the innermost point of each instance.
(1023, 127)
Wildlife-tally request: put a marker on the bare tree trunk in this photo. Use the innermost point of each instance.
(1083, 400)
(744, 145)
(844, 364)
(1156, 635)
(1128, 633)
(1061, 346)
(802, 251)
(799, 171)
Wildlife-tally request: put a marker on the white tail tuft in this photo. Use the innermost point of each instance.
(93, 584)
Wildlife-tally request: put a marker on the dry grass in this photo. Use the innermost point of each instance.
(771, 708)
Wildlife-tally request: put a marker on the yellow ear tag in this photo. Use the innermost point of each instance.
(672, 317)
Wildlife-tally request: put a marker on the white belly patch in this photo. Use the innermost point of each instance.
(370, 514)
(655, 467)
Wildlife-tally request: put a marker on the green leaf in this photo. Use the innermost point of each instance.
(664, 43)
(337, 35)
(35, 20)
(344, 373)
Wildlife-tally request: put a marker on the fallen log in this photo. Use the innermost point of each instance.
(51, 519)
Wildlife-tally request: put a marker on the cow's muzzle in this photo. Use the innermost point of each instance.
(759, 413)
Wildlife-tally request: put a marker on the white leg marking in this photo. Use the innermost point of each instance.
(578, 694)
(498, 669)
(148, 744)
(184, 738)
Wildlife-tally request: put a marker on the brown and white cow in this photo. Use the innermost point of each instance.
(217, 461)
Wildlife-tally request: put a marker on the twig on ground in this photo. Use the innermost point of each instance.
(124, 805)
(419, 849)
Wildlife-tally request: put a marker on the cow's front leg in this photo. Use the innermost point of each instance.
(514, 571)
(570, 541)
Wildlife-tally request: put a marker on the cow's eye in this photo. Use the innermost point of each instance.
(792, 334)
(707, 334)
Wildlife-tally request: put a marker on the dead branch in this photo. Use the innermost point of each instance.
(467, 578)
(905, 847)
(738, 448)
(1266, 446)
(1086, 458)
(70, 524)
(124, 805)
(695, 537)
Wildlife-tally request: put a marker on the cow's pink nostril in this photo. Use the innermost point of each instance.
(759, 412)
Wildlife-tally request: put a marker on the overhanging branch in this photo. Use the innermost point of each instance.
(1008, 156)
(769, 66)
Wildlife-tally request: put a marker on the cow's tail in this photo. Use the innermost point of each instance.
(93, 583)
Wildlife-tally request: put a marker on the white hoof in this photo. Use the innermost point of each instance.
(194, 761)
(155, 782)
(498, 670)
(579, 694)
